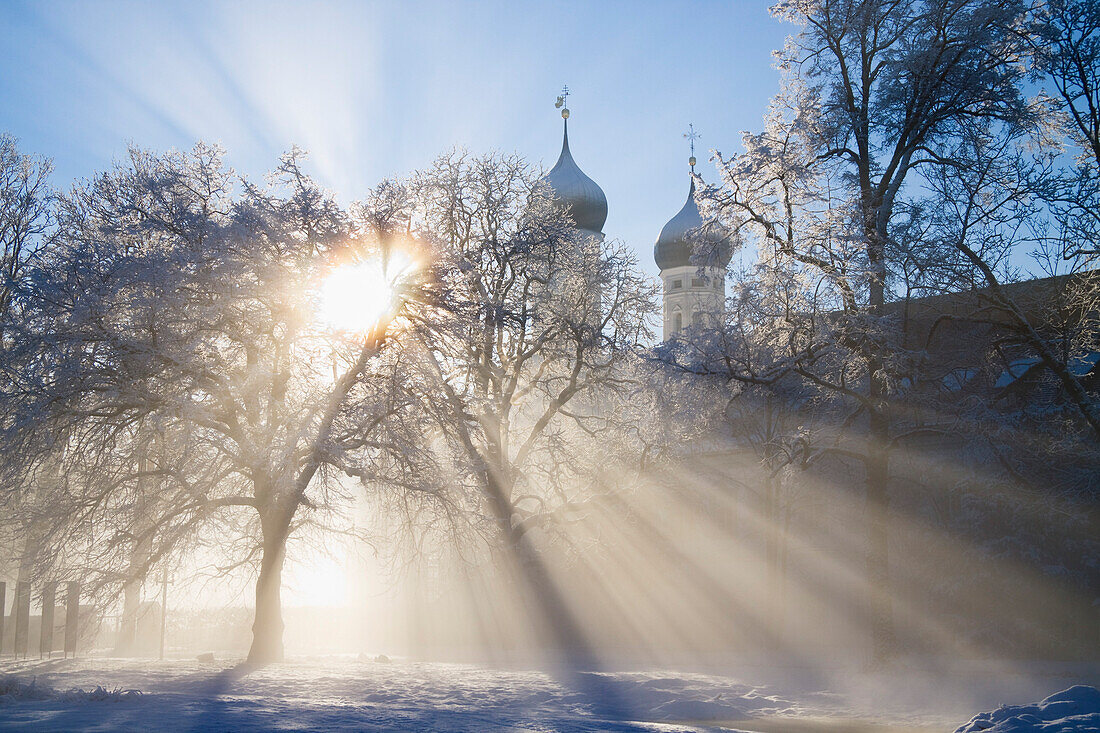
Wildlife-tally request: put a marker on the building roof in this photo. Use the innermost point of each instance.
(685, 232)
(582, 199)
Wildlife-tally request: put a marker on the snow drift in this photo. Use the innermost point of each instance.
(1074, 710)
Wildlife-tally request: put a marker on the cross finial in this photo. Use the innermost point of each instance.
(561, 101)
(692, 136)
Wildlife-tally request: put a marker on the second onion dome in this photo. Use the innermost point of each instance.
(686, 231)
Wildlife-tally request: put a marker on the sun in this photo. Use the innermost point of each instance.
(354, 297)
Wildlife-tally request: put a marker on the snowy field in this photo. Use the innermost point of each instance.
(345, 693)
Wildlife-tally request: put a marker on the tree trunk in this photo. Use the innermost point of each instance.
(127, 642)
(772, 486)
(772, 532)
(558, 621)
(784, 554)
(267, 627)
(877, 507)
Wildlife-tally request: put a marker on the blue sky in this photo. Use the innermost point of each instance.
(379, 89)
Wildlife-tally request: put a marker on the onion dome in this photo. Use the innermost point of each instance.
(687, 230)
(581, 198)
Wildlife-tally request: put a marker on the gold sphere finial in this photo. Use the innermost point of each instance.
(691, 161)
(561, 102)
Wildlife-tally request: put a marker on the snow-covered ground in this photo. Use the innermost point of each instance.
(1075, 710)
(346, 693)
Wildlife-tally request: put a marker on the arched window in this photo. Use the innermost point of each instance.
(677, 322)
(698, 319)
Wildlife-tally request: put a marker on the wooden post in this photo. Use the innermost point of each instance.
(49, 600)
(72, 616)
(3, 610)
(22, 617)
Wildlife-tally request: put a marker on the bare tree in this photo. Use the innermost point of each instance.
(539, 345)
(875, 93)
(25, 216)
(175, 304)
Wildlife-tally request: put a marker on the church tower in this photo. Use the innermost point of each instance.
(694, 294)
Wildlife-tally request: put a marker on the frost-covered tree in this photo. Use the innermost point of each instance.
(26, 218)
(170, 365)
(179, 309)
(25, 215)
(980, 219)
(875, 94)
(1064, 41)
(527, 369)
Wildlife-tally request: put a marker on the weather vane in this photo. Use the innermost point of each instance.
(561, 101)
(692, 136)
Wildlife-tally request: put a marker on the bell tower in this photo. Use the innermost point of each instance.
(694, 293)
